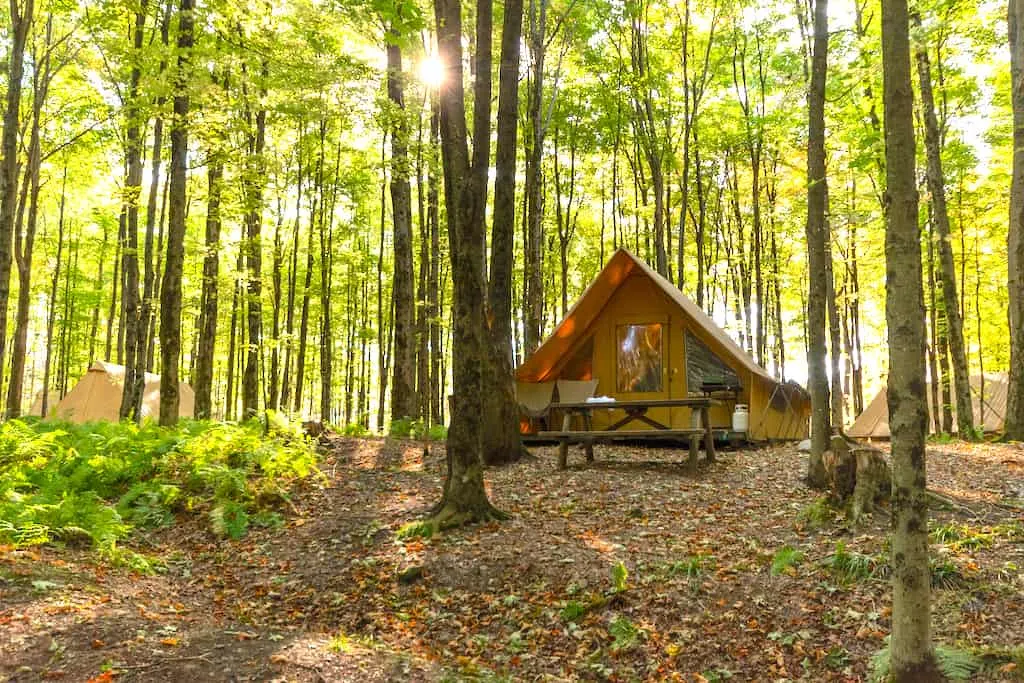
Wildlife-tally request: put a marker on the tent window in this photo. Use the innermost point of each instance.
(639, 359)
(703, 366)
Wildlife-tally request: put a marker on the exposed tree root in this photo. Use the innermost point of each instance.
(450, 516)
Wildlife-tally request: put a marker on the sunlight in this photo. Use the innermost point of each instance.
(431, 71)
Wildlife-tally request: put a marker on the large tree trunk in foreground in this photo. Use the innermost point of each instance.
(170, 289)
(818, 288)
(403, 377)
(464, 498)
(947, 269)
(501, 442)
(913, 658)
(1015, 235)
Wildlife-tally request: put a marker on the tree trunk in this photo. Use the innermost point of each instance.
(1014, 427)
(912, 656)
(464, 497)
(170, 289)
(817, 197)
(404, 403)
(499, 413)
(203, 380)
(940, 213)
(253, 190)
(534, 181)
(21, 22)
(24, 242)
(51, 314)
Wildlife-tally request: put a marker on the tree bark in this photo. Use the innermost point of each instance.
(464, 497)
(170, 289)
(912, 656)
(940, 214)
(21, 22)
(500, 433)
(207, 328)
(534, 181)
(24, 241)
(135, 131)
(818, 288)
(1014, 427)
(404, 403)
(253, 189)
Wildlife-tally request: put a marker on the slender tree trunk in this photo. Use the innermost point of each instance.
(170, 289)
(534, 181)
(51, 314)
(912, 656)
(135, 132)
(293, 268)
(21, 23)
(253, 186)
(404, 403)
(1014, 427)
(25, 241)
(817, 254)
(203, 380)
(940, 213)
(300, 360)
(500, 431)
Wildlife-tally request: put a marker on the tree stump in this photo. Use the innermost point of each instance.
(858, 476)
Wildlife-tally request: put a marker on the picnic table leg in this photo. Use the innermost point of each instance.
(691, 463)
(588, 445)
(563, 443)
(709, 434)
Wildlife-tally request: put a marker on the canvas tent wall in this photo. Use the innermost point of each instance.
(97, 396)
(873, 423)
(641, 337)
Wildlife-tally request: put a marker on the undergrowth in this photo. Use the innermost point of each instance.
(93, 484)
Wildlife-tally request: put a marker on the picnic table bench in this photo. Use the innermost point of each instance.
(635, 411)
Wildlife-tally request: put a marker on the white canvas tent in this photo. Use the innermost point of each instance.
(97, 396)
(873, 423)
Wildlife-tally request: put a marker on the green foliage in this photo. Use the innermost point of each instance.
(852, 566)
(962, 537)
(816, 515)
(620, 575)
(954, 663)
(413, 530)
(406, 428)
(573, 610)
(692, 566)
(785, 558)
(91, 484)
(624, 633)
(945, 573)
(355, 429)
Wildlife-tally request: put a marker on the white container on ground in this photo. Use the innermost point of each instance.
(741, 418)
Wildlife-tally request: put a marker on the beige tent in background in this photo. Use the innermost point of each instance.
(97, 396)
(873, 423)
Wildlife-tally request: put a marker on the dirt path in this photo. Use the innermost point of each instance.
(532, 598)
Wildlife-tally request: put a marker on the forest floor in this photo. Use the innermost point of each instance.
(712, 592)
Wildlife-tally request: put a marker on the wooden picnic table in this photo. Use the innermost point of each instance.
(635, 410)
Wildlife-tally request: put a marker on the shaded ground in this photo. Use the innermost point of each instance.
(531, 598)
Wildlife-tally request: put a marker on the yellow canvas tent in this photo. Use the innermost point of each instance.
(97, 396)
(641, 338)
(873, 423)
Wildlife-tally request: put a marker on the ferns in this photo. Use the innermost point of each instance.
(955, 664)
(92, 483)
